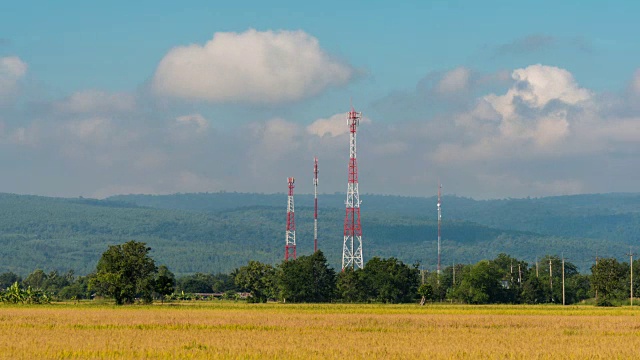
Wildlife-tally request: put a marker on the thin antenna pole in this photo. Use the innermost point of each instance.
(315, 201)
(439, 223)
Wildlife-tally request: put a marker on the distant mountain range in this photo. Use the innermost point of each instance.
(217, 232)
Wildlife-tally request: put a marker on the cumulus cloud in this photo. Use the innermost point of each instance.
(193, 120)
(12, 69)
(535, 132)
(185, 128)
(95, 130)
(254, 66)
(335, 125)
(274, 138)
(454, 81)
(536, 86)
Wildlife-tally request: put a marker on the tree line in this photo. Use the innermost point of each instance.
(127, 274)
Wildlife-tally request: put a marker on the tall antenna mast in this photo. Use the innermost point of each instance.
(290, 242)
(439, 222)
(315, 204)
(352, 246)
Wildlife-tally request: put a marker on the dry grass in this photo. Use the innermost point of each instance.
(275, 331)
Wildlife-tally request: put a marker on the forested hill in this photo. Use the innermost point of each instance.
(608, 216)
(218, 232)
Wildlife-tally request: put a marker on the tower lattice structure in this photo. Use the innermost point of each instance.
(315, 204)
(352, 248)
(290, 244)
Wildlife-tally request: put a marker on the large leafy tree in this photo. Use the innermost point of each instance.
(350, 286)
(607, 279)
(165, 282)
(7, 279)
(125, 272)
(390, 280)
(481, 285)
(307, 279)
(257, 278)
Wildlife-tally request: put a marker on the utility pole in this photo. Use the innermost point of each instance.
(519, 274)
(630, 254)
(537, 273)
(551, 279)
(454, 273)
(511, 270)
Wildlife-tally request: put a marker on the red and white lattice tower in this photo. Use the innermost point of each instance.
(439, 224)
(352, 248)
(290, 245)
(315, 204)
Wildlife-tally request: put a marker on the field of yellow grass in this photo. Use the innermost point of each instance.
(226, 330)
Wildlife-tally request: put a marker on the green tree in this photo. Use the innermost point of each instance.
(36, 280)
(481, 285)
(125, 272)
(78, 289)
(307, 279)
(607, 279)
(390, 280)
(259, 279)
(426, 291)
(165, 282)
(350, 286)
(7, 279)
(533, 291)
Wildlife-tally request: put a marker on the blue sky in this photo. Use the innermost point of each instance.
(88, 108)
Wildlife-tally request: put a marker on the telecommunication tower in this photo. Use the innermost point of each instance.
(315, 204)
(439, 224)
(290, 244)
(352, 247)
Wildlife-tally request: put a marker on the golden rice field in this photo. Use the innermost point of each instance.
(226, 330)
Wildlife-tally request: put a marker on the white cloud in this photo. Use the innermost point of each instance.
(456, 80)
(253, 66)
(537, 85)
(12, 69)
(275, 138)
(96, 101)
(186, 128)
(96, 130)
(201, 124)
(335, 125)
